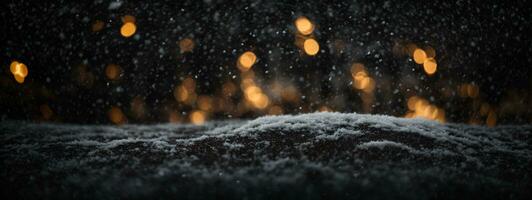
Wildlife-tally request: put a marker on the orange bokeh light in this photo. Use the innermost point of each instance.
(304, 25)
(128, 29)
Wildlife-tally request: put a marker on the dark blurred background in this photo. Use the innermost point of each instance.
(180, 61)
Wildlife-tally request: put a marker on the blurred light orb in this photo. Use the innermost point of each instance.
(246, 60)
(419, 56)
(181, 93)
(186, 45)
(116, 115)
(128, 29)
(311, 47)
(19, 71)
(430, 66)
(113, 71)
(304, 26)
(198, 117)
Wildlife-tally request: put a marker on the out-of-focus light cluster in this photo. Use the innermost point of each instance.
(253, 94)
(419, 107)
(19, 71)
(361, 80)
(304, 38)
(426, 57)
(276, 97)
(186, 92)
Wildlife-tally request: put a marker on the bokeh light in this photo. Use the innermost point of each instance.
(304, 25)
(246, 60)
(419, 56)
(19, 71)
(128, 29)
(186, 45)
(430, 66)
(113, 71)
(311, 47)
(198, 117)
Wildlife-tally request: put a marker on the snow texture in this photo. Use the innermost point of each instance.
(308, 156)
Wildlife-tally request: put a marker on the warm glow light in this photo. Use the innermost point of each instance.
(304, 26)
(311, 47)
(419, 56)
(181, 93)
(116, 116)
(430, 66)
(113, 71)
(420, 107)
(198, 117)
(246, 60)
(186, 45)
(19, 71)
(128, 29)
(412, 102)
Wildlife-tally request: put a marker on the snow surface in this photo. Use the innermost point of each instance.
(307, 156)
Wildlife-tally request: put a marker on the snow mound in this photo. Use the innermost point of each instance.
(318, 155)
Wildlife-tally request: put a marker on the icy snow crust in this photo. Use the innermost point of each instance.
(308, 156)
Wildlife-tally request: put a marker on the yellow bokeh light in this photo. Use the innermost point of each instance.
(430, 66)
(128, 29)
(304, 25)
(198, 117)
(311, 47)
(113, 71)
(419, 56)
(246, 60)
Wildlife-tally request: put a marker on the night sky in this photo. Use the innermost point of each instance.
(181, 64)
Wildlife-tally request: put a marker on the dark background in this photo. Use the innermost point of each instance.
(482, 43)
